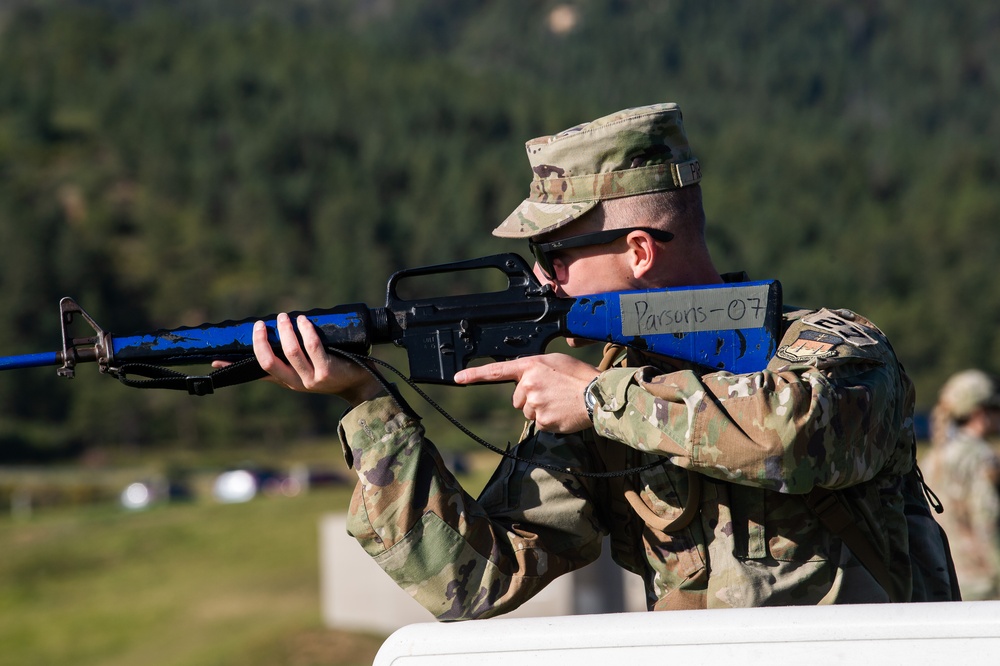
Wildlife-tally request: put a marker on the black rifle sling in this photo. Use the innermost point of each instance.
(158, 377)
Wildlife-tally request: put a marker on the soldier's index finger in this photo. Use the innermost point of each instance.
(501, 371)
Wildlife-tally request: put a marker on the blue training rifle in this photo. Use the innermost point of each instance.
(732, 327)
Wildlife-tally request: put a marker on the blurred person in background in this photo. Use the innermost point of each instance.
(964, 470)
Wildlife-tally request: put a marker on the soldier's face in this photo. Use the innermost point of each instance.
(588, 270)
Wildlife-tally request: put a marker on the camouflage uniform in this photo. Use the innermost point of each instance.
(835, 413)
(963, 469)
(742, 453)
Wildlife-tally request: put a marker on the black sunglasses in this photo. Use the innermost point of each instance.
(541, 250)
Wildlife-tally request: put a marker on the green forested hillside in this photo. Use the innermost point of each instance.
(170, 163)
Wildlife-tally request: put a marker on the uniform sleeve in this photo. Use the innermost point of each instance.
(984, 503)
(828, 410)
(459, 557)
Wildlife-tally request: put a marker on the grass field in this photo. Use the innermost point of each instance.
(183, 584)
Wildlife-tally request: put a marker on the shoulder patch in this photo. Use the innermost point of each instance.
(809, 345)
(830, 322)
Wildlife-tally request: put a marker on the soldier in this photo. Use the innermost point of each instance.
(785, 486)
(964, 471)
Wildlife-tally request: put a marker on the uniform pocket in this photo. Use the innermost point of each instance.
(770, 525)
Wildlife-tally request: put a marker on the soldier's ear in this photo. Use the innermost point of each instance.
(642, 251)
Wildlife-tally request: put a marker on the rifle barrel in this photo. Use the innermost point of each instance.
(30, 360)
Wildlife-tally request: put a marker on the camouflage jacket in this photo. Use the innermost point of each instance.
(832, 409)
(963, 472)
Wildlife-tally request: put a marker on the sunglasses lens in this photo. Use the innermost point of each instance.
(543, 262)
(584, 240)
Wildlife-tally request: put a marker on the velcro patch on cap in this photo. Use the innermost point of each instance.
(687, 173)
(852, 333)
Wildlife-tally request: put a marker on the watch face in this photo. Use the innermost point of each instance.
(589, 399)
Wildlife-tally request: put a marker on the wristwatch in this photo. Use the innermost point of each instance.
(590, 398)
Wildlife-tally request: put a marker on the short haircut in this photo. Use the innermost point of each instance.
(680, 211)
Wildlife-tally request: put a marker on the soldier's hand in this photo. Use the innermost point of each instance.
(549, 388)
(310, 367)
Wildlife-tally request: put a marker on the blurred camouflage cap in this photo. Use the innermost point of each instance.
(967, 390)
(634, 151)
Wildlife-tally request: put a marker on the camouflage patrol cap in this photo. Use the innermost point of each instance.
(634, 151)
(968, 390)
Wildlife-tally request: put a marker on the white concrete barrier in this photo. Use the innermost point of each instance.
(966, 633)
